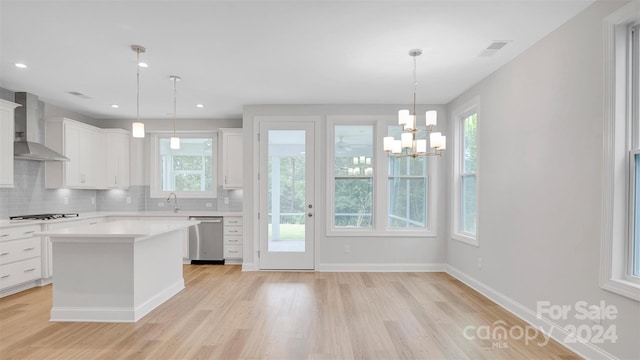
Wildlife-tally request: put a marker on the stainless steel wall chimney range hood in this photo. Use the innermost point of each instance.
(27, 144)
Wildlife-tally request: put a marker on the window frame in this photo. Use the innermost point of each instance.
(620, 143)
(459, 115)
(380, 160)
(155, 182)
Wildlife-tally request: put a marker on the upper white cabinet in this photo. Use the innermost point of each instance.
(117, 153)
(231, 158)
(98, 158)
(7, 135)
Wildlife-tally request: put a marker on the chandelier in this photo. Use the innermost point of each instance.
(409, 145)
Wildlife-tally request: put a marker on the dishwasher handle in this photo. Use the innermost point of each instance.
(207, 219)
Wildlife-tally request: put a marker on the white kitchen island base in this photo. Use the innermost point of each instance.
(116, 272)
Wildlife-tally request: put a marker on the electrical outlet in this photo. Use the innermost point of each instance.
(209, 205)
(93, 200)
(65, 200)
(226, 200)
(161, 204)
(129, 200)
(479, 263)
(347, 249)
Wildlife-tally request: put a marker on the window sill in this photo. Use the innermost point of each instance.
(376, 233)
(622, 287)
(465, 239)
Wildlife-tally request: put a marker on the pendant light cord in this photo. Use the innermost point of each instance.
(174, 106)
(137, 85)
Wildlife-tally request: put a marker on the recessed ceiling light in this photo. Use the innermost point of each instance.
(143, 64)
(199, 105)
(115, 106)
(21, 65)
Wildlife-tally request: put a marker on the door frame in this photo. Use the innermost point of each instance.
(318, 204)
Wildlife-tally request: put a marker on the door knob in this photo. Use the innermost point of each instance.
(309, 214)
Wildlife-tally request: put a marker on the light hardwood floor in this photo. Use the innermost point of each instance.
(224, 313)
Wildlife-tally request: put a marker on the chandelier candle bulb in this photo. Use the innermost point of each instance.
(435, 139)
(397, 147)
(421, 146)
(388, 143)
(432, 118)
(406, 140)
(411, 122)
(403, 117)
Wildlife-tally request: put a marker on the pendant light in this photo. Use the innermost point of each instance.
(137, 127)
(175, 141)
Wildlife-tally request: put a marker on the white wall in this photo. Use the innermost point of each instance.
(367, 253)
(540, 186)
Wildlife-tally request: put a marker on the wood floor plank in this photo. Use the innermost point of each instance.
(224, 313)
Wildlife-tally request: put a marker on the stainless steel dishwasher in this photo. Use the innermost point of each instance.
(205, 240)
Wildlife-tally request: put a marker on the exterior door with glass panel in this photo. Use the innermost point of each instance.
(287, 209)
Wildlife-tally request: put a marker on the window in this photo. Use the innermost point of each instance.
(465, 178)
(190, 171)
(407, 188)
(620, 251)
(353, 176)
(370, 193)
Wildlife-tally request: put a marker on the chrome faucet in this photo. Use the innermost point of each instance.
(175, 202)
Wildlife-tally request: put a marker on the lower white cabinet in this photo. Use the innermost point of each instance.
(20, 257)
(232, 237)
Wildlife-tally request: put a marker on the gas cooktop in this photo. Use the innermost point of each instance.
(43, 216)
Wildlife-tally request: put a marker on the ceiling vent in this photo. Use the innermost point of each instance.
(78, 94)
(494, 47)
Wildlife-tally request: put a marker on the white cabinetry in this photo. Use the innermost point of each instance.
(232, 158)
(232, 239)
(20, 262)
(83, 145)
(98, 158)
(7, 135)
(117, 153)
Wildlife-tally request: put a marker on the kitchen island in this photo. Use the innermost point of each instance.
(116, 271)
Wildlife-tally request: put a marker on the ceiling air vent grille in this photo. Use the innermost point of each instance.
(493, 48)
(78, 94)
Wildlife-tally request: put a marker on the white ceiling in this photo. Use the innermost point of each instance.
(235, 53)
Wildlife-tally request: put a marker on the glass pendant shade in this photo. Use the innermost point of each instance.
(174, 143)
(137, 130)
(432, 118)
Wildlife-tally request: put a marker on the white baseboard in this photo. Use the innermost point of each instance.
(550, 328)
(18, 288)
(248, 267)
(367, 267)
(115, 314)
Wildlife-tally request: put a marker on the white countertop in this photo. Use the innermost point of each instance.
(118, 229)
(83, 216)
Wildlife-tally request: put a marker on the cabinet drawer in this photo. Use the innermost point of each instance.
(19, 272)
(16, 250)
(232, 251)
(232, 240)
(18, 232)
(232, 230)
(232, 220)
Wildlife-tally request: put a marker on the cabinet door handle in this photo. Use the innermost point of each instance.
(29, 249)
(233, 240)
(4, 235)
(30, 270)
(4, 277)
(233, 251)
(29, 232)
(4, 254)
(225, 179)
